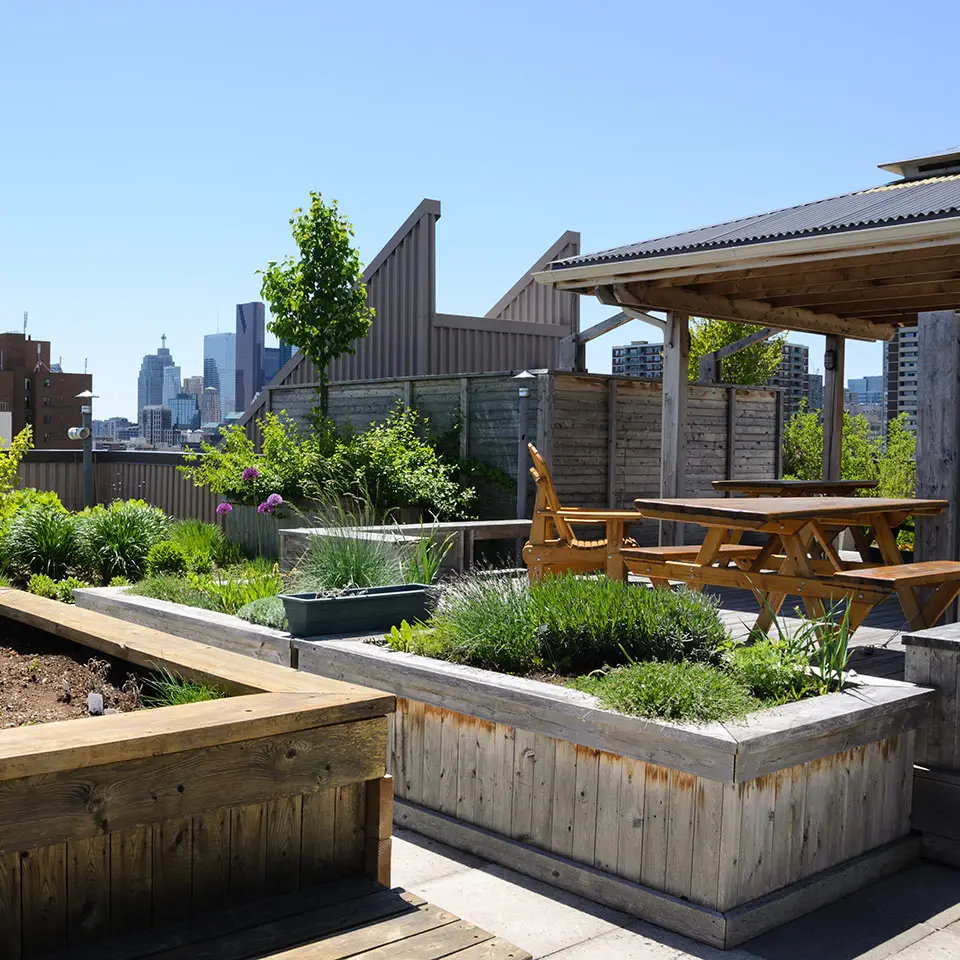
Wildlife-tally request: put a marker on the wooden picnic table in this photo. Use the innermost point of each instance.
(794, 488)
(799, 556)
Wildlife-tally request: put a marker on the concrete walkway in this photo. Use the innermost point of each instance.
(912, 916)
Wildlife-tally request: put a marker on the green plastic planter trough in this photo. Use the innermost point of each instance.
(356, 610)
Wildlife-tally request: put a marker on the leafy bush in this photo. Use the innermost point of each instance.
(42, 586)
(228, 554)
(774, 670)
(568, 624)
(66, 587)
(166, 557)
(231, 593)
(117, 539)
(683, 691)
(10, 460)
(175, 590)
(119, 582)
(267, 612)
(200, 562)
(42, 539)
(203, 544)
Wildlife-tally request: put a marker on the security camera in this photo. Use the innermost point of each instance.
(78, 433)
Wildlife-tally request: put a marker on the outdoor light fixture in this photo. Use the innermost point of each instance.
(85, 433)
(523, 376)
(830, 360)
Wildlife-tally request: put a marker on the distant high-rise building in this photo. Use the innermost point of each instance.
(250, 333)
(866, 389)
(156, 424)
(184, 411)
(220, 368)
(171, 384)
(209, 406)
(150, 381)
(33, 393)
(792, 377)
(815, 391)
(193, 385)
(638, 359)
(900, 368)
(274, 359)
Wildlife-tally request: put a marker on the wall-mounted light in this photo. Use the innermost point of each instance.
(830, 360)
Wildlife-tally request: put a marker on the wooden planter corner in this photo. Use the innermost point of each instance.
(118, 823)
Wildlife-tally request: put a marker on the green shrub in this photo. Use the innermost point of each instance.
(42, 539)
(42, 586)
(229, 594)
(166, 557)
(570, 624)
(682, 692)
(175, 590)
(119, 582)
(200, 562)
(774, 670)
(117, 539)
(267, 612)
(66, 587)
(228, 553)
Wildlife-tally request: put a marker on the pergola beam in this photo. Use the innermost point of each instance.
(709, 367)
(645, 296)
(572, 347)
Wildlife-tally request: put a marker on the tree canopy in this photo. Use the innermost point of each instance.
(318, 301)
(755, 364)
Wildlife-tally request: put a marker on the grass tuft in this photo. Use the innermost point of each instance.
(685, 691)
(166, 689)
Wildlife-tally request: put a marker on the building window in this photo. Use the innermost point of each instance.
(28, 417)
(47, 419)
(26, 403)
(47, 401)
(46, 438)
(46, 382)
(26, 383)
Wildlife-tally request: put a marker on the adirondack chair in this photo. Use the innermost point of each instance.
(554, 547)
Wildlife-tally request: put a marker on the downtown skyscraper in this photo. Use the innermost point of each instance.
(250, 334)
(220, 368)
(151, 379)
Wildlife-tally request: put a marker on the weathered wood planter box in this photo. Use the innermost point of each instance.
(719, 832)
(117, 823)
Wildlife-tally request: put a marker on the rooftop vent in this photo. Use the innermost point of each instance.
(935, 165)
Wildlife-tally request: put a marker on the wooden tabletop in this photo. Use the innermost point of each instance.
(756, 512)
(798, 487)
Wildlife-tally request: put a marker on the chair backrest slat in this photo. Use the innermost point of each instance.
(541, 474)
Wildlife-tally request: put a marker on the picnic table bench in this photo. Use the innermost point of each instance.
(799, 556)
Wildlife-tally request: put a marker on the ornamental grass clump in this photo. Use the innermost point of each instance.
(568, 624)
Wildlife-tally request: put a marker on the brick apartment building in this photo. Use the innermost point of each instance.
(35, 393)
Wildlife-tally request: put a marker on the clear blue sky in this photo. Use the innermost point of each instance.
(152, 152)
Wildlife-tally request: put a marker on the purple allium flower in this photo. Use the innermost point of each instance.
(223, 509)
(251, 473)
(274, 499)
(265, 507)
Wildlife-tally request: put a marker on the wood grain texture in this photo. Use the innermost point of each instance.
(318, 825)
(248, 852)
(10, 907)
(43, 892)
(284, 838)
(39, 810)
(211, 860)
(131, 879)
(349, 834)
(172, 869)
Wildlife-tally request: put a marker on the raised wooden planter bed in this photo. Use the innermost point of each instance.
(719, 832)
(118, 823)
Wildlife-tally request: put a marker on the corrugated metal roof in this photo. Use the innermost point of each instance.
(899, 202)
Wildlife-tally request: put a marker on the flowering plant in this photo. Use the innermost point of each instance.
(250, 473)
(270, 504)
(223, 509)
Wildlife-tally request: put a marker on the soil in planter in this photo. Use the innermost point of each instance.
(43, 679)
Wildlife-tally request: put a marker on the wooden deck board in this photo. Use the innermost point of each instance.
(358, 919)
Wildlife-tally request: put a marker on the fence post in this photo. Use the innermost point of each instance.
(612, 443)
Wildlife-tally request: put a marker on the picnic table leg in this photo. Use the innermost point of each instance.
(861, 541)
(942, 597)
(890, 552)
(615, 569)
(797, 547)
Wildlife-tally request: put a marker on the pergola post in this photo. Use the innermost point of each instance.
(938, 435)
(832, 405)
(676, 386)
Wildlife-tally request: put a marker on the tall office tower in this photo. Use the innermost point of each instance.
(273, 360)
(250, 331)
(171, 384)
(815, 391)
(900, 358)
(210, 405)
(150, 381)
(193, 385)
(185, 412)
(792, 376)
(638, 359)
(220, 368)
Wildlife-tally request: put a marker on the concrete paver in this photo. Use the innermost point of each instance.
(914, 915)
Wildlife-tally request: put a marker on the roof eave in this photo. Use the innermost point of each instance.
(864, 241)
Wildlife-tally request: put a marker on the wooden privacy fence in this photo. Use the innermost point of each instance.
(600, 434)
(120, 476)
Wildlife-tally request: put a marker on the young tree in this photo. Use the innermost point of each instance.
(318, 302)
(755, 364)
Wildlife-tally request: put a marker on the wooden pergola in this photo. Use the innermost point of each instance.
(851, 267)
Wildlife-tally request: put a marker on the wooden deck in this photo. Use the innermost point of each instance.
(355, 918)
